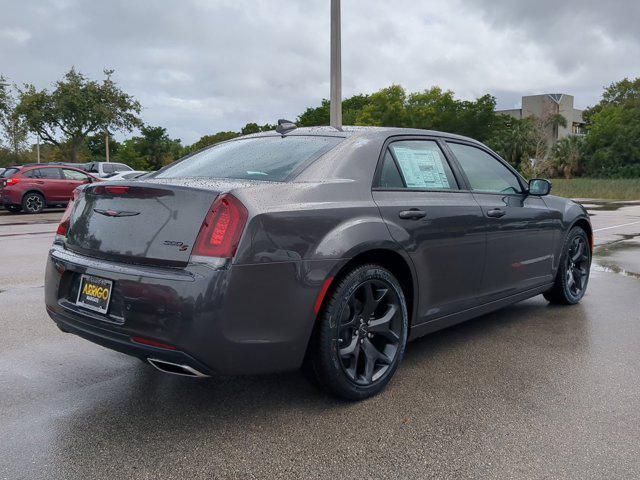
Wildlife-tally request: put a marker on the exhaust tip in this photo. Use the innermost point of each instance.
(176, 368)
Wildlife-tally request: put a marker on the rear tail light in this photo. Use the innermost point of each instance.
(65, 221)
(222, 228)
(12, 181)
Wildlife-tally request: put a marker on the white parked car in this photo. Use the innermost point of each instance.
(104, 169)
(126, 175)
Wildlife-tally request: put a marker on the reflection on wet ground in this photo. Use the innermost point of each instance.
(606, 206)
(620, 256)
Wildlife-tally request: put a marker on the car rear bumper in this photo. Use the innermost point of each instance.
(244, 319)
(10, 197)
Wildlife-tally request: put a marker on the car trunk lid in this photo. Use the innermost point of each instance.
(139, 222)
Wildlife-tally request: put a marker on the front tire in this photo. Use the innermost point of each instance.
(362, 334)
(573, 273)
(33, 203)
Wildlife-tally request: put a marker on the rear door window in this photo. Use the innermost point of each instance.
(45, 173)
(272, 158)
(390, 175)
(422, 165)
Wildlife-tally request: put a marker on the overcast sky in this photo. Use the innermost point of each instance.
(200, 66)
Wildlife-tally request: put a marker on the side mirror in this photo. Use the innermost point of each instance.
(539, 186)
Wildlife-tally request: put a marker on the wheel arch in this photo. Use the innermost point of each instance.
(586, 226)
(398, 264)
(34, 190)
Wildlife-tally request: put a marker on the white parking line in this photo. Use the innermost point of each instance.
(616, 226)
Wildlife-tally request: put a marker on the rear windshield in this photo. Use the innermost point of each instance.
(263, 158)
(9, 172)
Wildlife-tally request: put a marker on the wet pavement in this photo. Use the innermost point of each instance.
(532, 391)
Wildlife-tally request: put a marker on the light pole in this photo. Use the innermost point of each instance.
(336, 67)
(106, 144)
(38, 146)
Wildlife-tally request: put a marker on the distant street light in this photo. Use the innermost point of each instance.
(336, 67)
(106, 144)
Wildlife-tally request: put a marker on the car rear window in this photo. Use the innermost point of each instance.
(263, 158)
(9, 172)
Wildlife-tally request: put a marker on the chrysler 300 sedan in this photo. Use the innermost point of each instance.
(313, 248)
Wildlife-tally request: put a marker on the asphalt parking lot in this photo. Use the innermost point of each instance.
(532, 391)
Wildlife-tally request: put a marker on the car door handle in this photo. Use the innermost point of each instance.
(496, 213)
(413, 214)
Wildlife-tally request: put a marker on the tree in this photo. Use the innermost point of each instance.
(435, 109)
(250, 128)
(567, 157)
(208, 140)
(624, 92)
(316, 116)
(515, 140)
(385, 108)
(156, 147)
(96, 146)
(612, 143)
(76, 108)
(15, 129)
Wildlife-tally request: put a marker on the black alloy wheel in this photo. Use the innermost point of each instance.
(369, 331)
(573, 273)
(362, 334)
(578, 262)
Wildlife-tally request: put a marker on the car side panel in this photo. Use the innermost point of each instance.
(520, 245)
(447, 246)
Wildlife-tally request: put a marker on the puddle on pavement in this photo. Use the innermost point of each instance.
(607, 206)
(613, 268)
(625, 244)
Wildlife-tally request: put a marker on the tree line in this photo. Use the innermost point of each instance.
(77, 118)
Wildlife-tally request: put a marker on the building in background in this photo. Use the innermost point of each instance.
(544, 107)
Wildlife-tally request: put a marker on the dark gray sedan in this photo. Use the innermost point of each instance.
(312, 247)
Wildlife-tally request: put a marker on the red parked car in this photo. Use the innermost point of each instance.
(34, 187)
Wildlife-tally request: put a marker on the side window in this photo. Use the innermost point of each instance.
(30, 174)
(74, 175)
(108, 168)
(93, 167)
(485, 173)
(48, 173)
(423, 165)
(390, 176)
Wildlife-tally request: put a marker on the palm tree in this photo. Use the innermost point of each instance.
(568, 155)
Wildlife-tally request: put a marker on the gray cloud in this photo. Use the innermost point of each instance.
(199, 66)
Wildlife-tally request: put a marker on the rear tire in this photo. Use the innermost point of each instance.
(33, 202)
(573, 273)
(361, 335)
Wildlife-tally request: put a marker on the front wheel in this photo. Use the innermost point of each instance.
(573, 273)
(362, 334)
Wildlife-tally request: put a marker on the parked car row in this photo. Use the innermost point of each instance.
(31, 188)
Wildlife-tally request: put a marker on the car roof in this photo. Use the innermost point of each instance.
(360, 131)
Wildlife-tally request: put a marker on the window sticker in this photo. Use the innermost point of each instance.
(422, 168)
